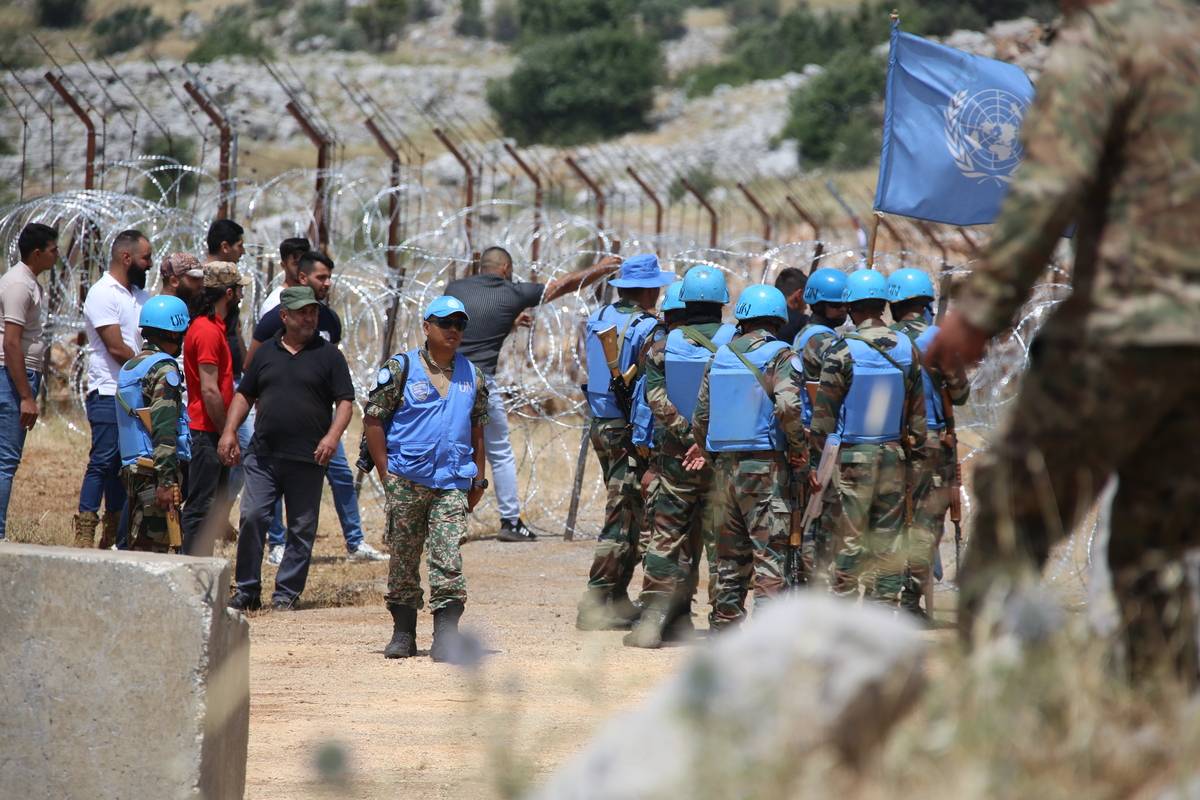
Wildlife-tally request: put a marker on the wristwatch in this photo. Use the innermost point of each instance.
(481, 484)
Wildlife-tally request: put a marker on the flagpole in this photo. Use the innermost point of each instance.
(875, 217)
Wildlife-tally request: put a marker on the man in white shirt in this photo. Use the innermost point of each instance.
(110, 315)
(290, 251)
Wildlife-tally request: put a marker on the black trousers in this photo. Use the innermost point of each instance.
(299, 483)
(207, 506)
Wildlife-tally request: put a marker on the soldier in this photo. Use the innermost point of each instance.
(606, 605)
(1112, 387)
(871, 397)
(150, 389)
(910, 292)
(424, 427)
(681, 526)
(823, 294)
(748, 417)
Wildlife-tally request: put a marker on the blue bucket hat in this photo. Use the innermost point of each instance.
(642, 272)
(445, 306)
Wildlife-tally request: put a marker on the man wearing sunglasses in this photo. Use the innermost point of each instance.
(424, 427)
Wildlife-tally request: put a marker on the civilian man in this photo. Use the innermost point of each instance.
(791, 282)
(290, 251)
(182, 277)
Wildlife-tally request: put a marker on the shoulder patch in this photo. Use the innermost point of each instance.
(172, 377)
(383, 377)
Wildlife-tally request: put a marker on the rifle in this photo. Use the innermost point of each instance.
(795, 571)
(621, 384)
(146, 464)
(950, 440)
(825, 470)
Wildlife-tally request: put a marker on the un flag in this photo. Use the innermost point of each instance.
(951, 132)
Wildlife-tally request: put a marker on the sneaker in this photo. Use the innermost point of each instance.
(275, 557)
(279, 604)
(515, 531)
(364, 552)
(245, 602)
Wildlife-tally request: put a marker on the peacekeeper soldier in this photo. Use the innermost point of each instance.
(681, 520)
(748, 416)
(605, 604)
(150, 390)
(424, 426)
(910, 292)
(871, 398)
(823, 294)
(1113, 385)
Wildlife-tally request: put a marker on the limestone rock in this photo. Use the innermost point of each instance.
(122, 675)
(739, 720)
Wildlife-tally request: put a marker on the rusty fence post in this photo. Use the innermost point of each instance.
(469, 193)
(658, 207)
(819, 248)
(763, 214)
(597, 193)
(713, 220)
(538, 198)
(89, 173)
(228, 196)
(320, 227)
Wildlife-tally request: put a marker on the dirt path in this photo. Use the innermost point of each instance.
(412, 728)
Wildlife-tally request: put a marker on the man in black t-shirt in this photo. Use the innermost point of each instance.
(302, 388)
(496, 305)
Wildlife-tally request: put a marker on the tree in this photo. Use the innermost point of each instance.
(579, 87)
(61, 13)
(126, 28)
(545, 18)
(470, 20)
(663, 19)
(836, 117)
(506, 24)
(230, 35)
(380, 20)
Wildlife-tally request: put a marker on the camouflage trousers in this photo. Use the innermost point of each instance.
(753, 515)
(869, 547)
(618, 547)
(419, 517)
(1083, 414)
(147, 522)
(681, 529)
(817, 548)
(932, 481)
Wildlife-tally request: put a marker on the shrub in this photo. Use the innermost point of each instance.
(380, 20)
(663, 19)
(579, 87)
(540, 19)
(470, 20)
(229, 35)
(506, 23)
(836, 117)
(61, 13)
(126, 28)
(171, 185)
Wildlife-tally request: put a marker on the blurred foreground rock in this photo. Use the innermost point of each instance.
(122, 675)
(744, 712)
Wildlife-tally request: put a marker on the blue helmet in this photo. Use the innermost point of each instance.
(825, 285)
(445, 306)
(704, 284)
(907, 283)
(166, 313)
(671, 301)
(865, 284)
(761, 300)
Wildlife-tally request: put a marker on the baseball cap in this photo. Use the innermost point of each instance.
(296, 297)
(223, 275)
(445, 306)
(177, 265)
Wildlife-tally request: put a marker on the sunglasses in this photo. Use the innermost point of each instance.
(446, 323)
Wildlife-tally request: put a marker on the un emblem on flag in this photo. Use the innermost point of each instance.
(983, 133)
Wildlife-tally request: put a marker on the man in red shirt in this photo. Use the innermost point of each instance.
(208, 370)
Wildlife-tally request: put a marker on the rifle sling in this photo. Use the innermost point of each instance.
(699, 338)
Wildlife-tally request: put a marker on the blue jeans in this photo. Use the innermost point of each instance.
(500, 454)
(102, 478)
(12, 435)
(345, 500)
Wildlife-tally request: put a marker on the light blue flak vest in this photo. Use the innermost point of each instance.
(429, 436)
(873, 411)
(742, 415)
(685, 363)
(935, 415)
(632, 328)
(132, 436)
(643, 416)
(806, 409)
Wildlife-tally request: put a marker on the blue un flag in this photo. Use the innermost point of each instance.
(951, 132)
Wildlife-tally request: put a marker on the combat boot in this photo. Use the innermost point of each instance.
(596, 612)
(648, 630)
(450, 645)
(404, 632)
(108, 533)
(680, 627)
(85, 529)
(624, 609)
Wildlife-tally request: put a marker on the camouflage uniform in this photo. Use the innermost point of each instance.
(932, 479)
(869, 548)
(752, 493)
(422, 517)
(819, 536)
(162, 388)
(1114, 382)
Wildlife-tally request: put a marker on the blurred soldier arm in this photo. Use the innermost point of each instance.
(954, 379)
(785, 373)
(162, 387)
(666, 416)
(914, 404)
(479, 418)
(382, 402)
(696, 456)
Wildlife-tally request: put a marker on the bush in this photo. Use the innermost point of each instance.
(744, 11)
(663, 19)
(229, 35)
(702, 80)
(380, 20)
(837, 116)
(170, 185)
(579, 87)
(126, 28)
(470, 20)
(61, 13)
(540, 19)
(506, 23)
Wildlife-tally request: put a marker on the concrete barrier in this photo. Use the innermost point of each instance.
(122, 675)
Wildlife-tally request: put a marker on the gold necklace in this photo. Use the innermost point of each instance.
(443, 371)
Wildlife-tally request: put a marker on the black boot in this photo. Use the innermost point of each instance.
(404, 632)
(449, 644)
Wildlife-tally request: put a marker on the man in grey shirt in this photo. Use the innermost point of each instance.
(495, 305)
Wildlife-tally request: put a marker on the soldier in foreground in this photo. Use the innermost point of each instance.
(606, 605)
(748, 419)
(681, 518)
(151, 424)
(871, 398)
(424, 427)
(910, 292)
(1114, 384)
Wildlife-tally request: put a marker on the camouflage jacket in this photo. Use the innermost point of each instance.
(814, 350)
(388, 393)
(1111, 144)
(956, 382)
(673, 431)
(783, 375)
(162, 393)
(837, 373)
